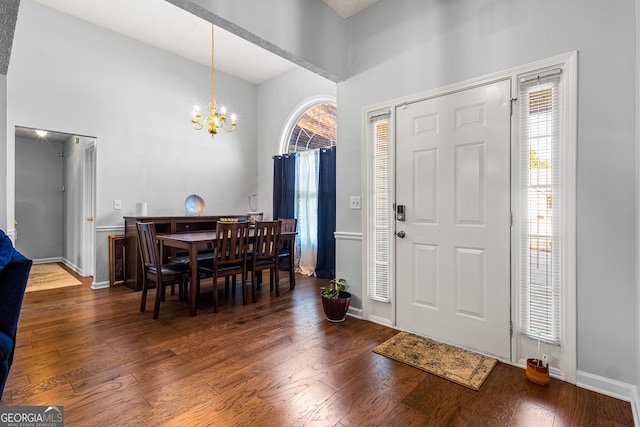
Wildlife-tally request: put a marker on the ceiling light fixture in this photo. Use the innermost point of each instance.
(41, 133)
(216, 119)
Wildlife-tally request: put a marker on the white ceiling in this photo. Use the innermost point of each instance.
(347, 8)
(170, 28)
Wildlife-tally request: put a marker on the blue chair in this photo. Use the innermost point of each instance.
(14, 273)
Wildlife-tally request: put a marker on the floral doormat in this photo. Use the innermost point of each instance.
(458, 365)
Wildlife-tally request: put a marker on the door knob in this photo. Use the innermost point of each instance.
(400, 234)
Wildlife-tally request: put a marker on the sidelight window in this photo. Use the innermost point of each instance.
(540, 205)
(380, 221)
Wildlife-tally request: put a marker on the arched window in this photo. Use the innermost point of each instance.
(304, 183)
(316, 128)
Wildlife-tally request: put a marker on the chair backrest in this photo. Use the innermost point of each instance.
(287, 225)
(231, 244)
(148, 244)
(266, 241)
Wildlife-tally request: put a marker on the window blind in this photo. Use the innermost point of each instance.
(380, 219)
(540, 204)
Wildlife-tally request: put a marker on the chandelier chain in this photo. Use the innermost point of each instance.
(213, 94)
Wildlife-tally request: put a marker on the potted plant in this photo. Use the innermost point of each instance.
(335, 300)
(538, 369)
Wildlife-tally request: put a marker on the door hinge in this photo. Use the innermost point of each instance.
(510, 218)
(513, 100)
(511, 328)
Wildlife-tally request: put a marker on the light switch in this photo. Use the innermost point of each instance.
(355, 202)
(117, 205)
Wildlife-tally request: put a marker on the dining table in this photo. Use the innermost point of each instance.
(199, 241)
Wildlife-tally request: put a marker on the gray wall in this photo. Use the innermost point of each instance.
(306, 32)
(4, 180)
(71, 76)
(400, 47)
(39, 198)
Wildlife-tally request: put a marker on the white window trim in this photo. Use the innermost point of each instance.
(370, 191)
(295, 115)
(373, 310)
(568, 62)
(568, 348)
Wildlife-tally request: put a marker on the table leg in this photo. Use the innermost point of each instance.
(193, 286)
(292, 273)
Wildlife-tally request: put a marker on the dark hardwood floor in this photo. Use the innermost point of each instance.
(274, 363)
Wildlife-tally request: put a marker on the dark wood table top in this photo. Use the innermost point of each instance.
(205, 236)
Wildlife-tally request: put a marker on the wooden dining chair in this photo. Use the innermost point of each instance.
(229, 257)
(264, 254)
(154, 270)
(287, 247)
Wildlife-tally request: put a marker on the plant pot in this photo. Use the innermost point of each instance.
(537, 373)
(336, 309)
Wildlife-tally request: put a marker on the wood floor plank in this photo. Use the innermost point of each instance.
(276, 362)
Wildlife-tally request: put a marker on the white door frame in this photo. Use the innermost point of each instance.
(88, 251)
(568, 62)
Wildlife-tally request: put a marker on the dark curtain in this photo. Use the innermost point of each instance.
(326, 263)
(284, 177)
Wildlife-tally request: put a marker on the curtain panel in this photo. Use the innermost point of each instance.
(284, 178)
(304, 187)
(325, 266)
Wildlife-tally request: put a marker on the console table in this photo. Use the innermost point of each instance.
(164, 225)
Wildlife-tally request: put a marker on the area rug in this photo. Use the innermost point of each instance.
(49, 276)
(458, 365)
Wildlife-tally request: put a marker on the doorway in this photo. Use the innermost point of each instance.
(55, 197)
(453, 181)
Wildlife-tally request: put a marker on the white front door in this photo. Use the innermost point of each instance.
(453, 179)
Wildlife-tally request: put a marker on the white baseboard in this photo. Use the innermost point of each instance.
(73, 266)
(381, 321)
(355, 312)
(613, 388)
(635, 406)
(48, 260)
(100, 285)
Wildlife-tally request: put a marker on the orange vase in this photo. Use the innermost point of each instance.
(537, 373)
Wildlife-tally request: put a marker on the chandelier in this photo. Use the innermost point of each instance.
(216, 119)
